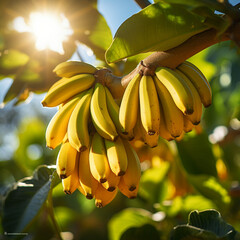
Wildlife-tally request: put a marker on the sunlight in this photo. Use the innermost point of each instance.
(50, 30)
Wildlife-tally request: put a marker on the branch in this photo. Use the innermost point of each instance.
(143, 3)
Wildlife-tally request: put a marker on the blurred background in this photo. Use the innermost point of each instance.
(200, 172)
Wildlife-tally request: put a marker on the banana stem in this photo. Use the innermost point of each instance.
(143, 3)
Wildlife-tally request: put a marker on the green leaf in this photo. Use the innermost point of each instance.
(210, 188)
(128, 218)
(205, 225)
(152, 185)
(158, 27)
(27, 197)
(144, 232)
(196, 155)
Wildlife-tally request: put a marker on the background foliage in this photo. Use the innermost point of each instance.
(201, 172)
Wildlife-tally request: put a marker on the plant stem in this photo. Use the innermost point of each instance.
(143, 3)
(52, 216)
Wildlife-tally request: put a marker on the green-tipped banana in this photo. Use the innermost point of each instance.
(100, 115)
(72, 68)
(149, 105)
(199, 81)
(129, 105)
(67, 89)
(78, 134)
(178, 89)
(57, 127)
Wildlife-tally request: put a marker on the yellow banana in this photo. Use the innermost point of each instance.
(178, 89)
(112, 182)
(99, 166)
(199, 81)
(78, 134)
(187, 124)
(129, 106)
(67, 89)
(103, 197)
(117, 156)
(57, 127)
(133, 173)
(71, 183)
(195, 118)
(125, 191)
(172, 115)
(100, 115)
(71, 68)
(87, 181)
(66, 160)
(113, 109)
(149, 105)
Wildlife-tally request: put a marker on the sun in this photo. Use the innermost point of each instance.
(49, 29)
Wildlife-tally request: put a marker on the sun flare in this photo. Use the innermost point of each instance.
(50, 30)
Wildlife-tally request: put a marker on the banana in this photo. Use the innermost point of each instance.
(187, 124)
(178, 89)
(125, 191)
(113, 109)
(129, 106)
(163, 131)
(71, 68)
(67, 89)
(117, 156)
(112, 182)
(199, 81)
(77, 131)
(100, 115)
(66, 160)
(87, 181)
(99, 166)
(103, 197)
(149, 105)
(57, 127)
(172, 115)
(133, 173)
(71, 183)
(195, 118)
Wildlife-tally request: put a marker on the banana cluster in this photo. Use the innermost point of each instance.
(94, 157)
(167, 104)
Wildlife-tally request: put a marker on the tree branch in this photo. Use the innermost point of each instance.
(142, 3)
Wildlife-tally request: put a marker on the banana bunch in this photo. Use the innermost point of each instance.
(94, 157)
(167, 104)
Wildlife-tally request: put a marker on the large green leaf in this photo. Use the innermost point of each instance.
(27, 197)
(126, 219)
(196, 155)
(205, 225)
(158, 27)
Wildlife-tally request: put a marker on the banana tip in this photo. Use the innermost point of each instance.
(89, 196)
(111, 189)
(121, 173)
(103, 180)
(132, 188)
(44, 104)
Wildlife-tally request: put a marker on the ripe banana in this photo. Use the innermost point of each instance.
(187, 124)
(133, 173)
(129, 106)
(117, 156)
(78, 134)
(103, 197)
(71, 183)
(125, 191)
(112, 182)
(149, 105)
(99, 166)
(57, 127)
(66, 160)
(172, 115)
(195, 118)
(71, 68)
(199, 81)
(100, 115)
(87, 181)
(113, 109)
(178, 89)
(66, 89)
